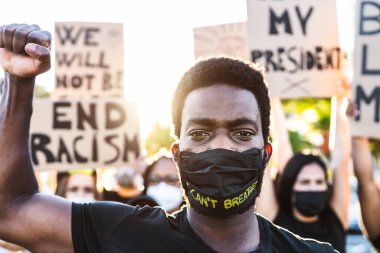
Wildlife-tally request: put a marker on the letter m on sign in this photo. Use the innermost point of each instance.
(275, 20)
(362, 97)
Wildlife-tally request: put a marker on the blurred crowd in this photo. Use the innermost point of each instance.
(306, 192)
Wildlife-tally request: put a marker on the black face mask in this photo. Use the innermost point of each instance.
(311, 203)
(221, 182)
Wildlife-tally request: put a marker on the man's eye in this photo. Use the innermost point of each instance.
(244, 134)
(320, 182)
(196, 135)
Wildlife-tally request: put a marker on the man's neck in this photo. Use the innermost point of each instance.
(238, 234)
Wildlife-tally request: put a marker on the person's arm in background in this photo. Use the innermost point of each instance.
(35, 221)
(340, 159)
(267, 204)
(280, 135)
(369, 194)
(10, 246)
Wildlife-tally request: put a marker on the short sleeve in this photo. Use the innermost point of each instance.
(94, 224)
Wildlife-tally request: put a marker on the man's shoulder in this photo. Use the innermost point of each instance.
(109, 212)
(282, 240)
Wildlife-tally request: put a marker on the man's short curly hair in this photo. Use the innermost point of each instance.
(223, 70)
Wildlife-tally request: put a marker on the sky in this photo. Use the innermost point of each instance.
(158, 39)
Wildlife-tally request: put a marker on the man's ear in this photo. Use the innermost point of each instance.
(267, 153)
(175, 152)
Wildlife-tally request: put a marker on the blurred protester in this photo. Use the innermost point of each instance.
(122, 184)
(368, 189)
(78, 185)
(161, 183)
(127, 187)
(301, 198)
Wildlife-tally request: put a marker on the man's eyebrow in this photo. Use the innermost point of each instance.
(202, 121)
(229, 123)
(242, 121)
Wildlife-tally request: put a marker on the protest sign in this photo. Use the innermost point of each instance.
(227, 39)
(366, 83)
(89, 59)
(297, 44)
(69, 134)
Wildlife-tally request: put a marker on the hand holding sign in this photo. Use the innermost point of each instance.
(18, 39)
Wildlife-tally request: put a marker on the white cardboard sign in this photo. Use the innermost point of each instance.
(227, 39)
(297, 43)
(366, 83)
(69, 134)
(89, 59)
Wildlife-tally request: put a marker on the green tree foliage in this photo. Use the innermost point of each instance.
(294, 110)
(41, 92)
(375, 148)
(158, 138)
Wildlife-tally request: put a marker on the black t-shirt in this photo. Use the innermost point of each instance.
(114, 228)
(376, 243)
(327, 229)
(141, 199)
(114, 196)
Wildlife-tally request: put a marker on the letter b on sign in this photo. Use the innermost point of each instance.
(369, 18)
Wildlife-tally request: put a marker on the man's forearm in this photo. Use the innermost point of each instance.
(361, 156)
(16, 171)
(368, 194)
(34, 221)
(370, 203)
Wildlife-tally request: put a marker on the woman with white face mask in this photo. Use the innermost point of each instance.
(162, 184)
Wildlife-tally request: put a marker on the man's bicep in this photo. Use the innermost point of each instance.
(95, 224)
(41, 223)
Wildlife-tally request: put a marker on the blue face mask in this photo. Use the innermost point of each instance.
(220, 182)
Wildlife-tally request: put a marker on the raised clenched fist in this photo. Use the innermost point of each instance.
(24, 50)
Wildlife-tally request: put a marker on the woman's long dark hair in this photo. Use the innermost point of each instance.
(285, 182)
